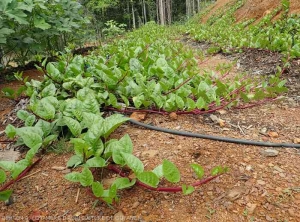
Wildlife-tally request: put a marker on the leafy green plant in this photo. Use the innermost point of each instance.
(153, 74)
(113, 29)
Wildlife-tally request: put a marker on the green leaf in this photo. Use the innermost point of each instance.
(44, 126)
(133, 163)
(171, 173)
(187, 190)
(148, 178)
(2, 176)
(122, 183)
(44, 109)
(19, 167)
(41, 23)
(95, 162)
(73, 125)
(113, 122)
(86, 177)
(200, 103)
(49, 90)
(10, 131)
(30, 138)
(23, 115)
(97, 189)
(158, 171)
(217, 170)
(5, 195)
(49, 139)
(7, 165)
(198, 170)
(74, 161)
(73, 177)
(53, 72)
(30, 120)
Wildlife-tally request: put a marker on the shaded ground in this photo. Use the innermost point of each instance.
(257, 188)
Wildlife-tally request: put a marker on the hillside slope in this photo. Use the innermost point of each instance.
(253, 8)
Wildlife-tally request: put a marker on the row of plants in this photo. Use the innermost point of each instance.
(147, 70)
(281, 35)
(31, 29)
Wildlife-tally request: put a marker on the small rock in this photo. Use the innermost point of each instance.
(66, 171)
(108, 182)
(119, 217)
(263, 130)
(261, 182)
(144, 212)
(268, 218)
(277, 168)
(282, 175)
(214, 118)
(135, 204)
(222, 111)
(58, 168)
(297, 140)
(291, 212)
(235, 193)
(251, 208)
(178, 127)
(269, 153)
(273, 134)
(278, 189)
(138, 116)
(150, 153)
(248, 168)
(173, 116)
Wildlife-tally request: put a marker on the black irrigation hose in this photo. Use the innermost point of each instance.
(219, 138)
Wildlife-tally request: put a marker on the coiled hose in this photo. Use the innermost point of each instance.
(218, 138)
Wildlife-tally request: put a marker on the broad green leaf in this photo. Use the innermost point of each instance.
(148, 178)
(200, 103)
(170, 171)
(95, 162)
(49, 139)
(30, 138)
(41, 23)
(49, 90)
(86, 177)
(53, 72)
(73, 125)
(30, 120)
(91, 105)
(122, 183)
(44, 126)
(216, 170)
(19, 167)
(5, 195)
(10, 131)
(7, 165)
(74, 161)
(187, 190)
(158, 171)
(73, 177)
(133, 163)
(44, 109)
(198, 170)
(113, 122)
(97, 189)
(23, 114)
(80, 146)
(2, 176)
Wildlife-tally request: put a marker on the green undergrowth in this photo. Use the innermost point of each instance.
(221, 29)
(149, 69)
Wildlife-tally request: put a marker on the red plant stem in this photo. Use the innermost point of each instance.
(163, 189)
(24, 172)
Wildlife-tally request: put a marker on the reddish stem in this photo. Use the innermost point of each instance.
(163, 189)
(24, 172)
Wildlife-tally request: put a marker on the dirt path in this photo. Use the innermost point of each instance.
(257, 188)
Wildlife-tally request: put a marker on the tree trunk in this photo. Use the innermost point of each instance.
(133, 16)
(162, 12)
(169, 11)
(145, 12)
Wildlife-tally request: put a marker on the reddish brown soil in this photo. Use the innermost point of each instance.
(253, 8)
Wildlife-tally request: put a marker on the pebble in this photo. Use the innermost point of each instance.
(277, 168)
(268, 218)
(235, 193)
(291, 212)
(282, 175)
(269, 153)
(144, 212)
(261, 182)
(248, 168)
(251, 208)
(135, 204)
(119, 217)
